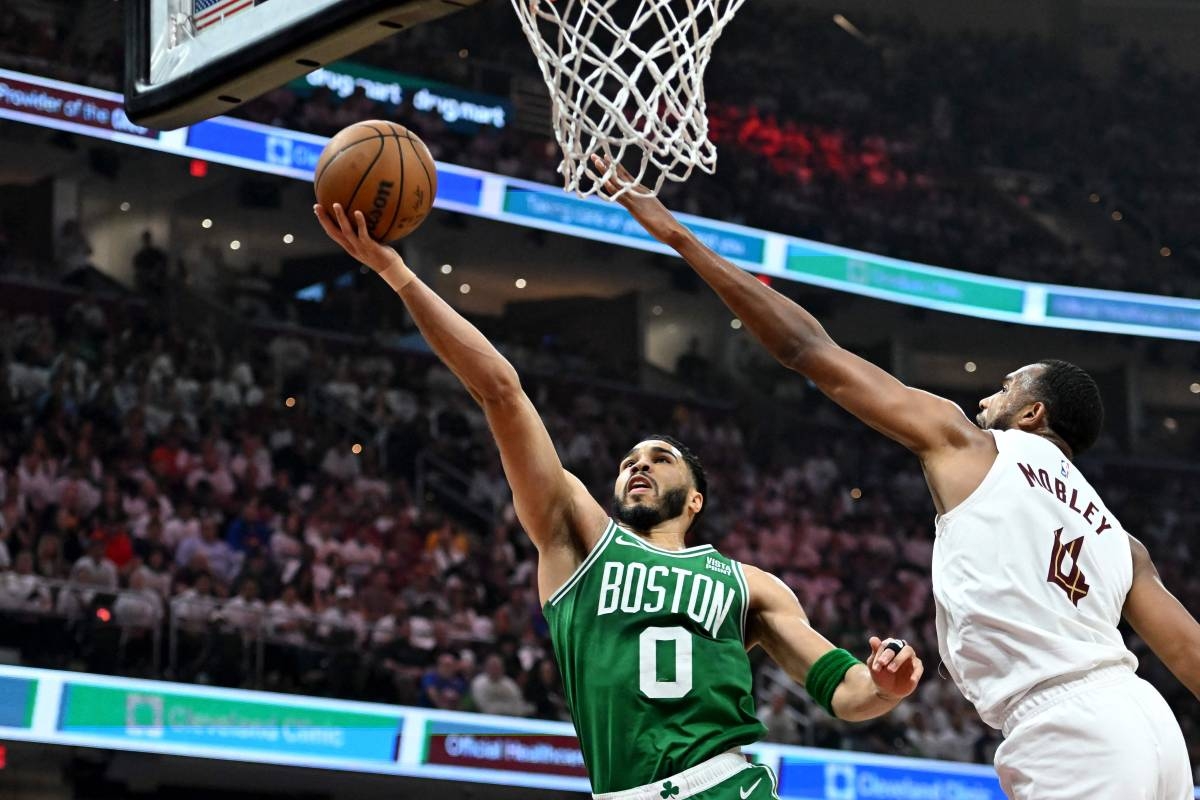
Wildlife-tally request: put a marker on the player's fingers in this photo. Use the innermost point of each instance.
(875, 643)
(918, 671)
(328, 225)
(343, 222)
(322, 218)
(364, 234)
(623, 173)
(905, 655)
(884, 656)
(600, 164)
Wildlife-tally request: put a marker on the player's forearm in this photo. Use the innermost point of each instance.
(857, 698)
(459, 344)
(785, 329)
(1188, 674)
(1179, 656)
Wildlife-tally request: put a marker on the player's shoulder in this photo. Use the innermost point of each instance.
(1139, 553)
(767, 591)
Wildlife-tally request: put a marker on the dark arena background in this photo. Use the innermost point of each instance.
(255, 541)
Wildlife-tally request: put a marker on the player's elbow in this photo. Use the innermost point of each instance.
(676, 235)
(806, 353)
(501, 386)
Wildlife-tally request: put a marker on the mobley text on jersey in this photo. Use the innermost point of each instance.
(1055, 486)
(635, 588)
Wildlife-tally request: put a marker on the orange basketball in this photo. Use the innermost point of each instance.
(381, 169)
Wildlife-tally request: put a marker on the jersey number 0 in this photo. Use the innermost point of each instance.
(649, 683)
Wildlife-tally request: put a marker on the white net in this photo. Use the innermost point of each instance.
(626, 81)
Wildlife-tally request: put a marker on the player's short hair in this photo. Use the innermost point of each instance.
(699, 477)
(1074, 408)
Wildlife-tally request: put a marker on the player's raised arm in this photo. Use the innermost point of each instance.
(920, 421)
(1162, 621)
(840, 683)
(553, 505)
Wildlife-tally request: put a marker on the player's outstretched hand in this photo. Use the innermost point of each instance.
(648, 211)
(355, 239)
(895, 674)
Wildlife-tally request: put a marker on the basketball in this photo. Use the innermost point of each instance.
(381, 169)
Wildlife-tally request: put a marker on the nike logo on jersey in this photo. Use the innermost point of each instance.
(628, 542)
(747, 792)
(1042, 480)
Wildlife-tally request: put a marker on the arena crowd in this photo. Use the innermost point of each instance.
(279, 516)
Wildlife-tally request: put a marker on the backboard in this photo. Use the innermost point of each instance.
(186, 60)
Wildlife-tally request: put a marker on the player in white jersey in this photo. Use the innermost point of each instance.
(1031, 571)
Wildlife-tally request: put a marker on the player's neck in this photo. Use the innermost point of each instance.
(665, 536)
(1055, 440)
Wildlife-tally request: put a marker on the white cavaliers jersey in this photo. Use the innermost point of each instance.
(1030, 574)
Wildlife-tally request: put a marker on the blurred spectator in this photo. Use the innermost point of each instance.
(341, 625)
(208, 552)
(150, 267)
(545, 691)
(493, 692)
(95, 568)
(249, 530)
(73, 251)
(779, 718)
(442, 686)
(21, 590)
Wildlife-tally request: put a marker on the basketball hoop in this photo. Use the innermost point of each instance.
(627, 77)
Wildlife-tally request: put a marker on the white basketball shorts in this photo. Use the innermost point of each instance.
(1106, 736)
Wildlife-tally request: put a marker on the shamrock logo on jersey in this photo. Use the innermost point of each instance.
(669, 790)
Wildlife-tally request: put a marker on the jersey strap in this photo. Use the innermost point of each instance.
(745, 587)
(585, 566)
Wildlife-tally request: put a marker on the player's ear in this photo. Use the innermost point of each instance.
(695, 501)
(1033, 416)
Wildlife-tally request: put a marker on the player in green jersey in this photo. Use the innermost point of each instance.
(650, 635)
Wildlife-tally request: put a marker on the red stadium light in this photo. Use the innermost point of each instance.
(198, 168)
(764, 279)
(104, 615)
(3, 756)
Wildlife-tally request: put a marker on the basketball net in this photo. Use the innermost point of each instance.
(626, 79)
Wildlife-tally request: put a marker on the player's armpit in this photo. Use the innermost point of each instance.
(1161, 620)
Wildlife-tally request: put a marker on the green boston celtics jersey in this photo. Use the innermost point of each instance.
(650, 646)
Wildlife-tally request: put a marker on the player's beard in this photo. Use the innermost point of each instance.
(1002, 422)
(643, 516)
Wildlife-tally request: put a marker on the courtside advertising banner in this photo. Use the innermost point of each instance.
(488, 747)
(74, 709)
(856, 776)
(17, 697)
(217, 720)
